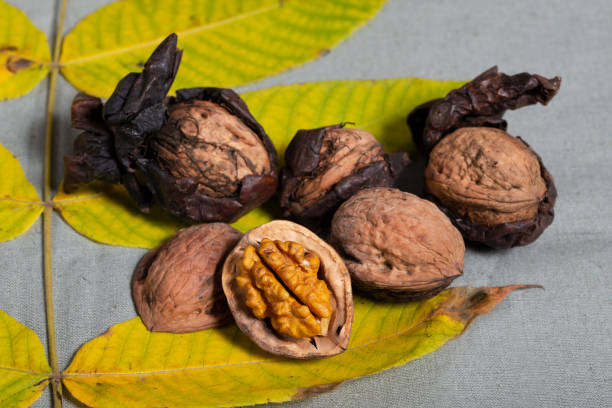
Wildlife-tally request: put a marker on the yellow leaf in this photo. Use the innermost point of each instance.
(24, 371)
(24, 53)
(225, 43)
(20, 206)
(130, 366)
(106, 213)
(379, 106)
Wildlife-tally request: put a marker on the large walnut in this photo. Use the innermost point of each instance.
(177, 286)
(397, 245)
(200, 155)
(289, 291)
(326, 166)
(486, 175)
(493, 186)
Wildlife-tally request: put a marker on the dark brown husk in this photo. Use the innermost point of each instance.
(115, 146)
(302, 159)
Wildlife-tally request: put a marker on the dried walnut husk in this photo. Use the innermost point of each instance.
(325, 166)
(289, 291)
(493, 186)
(177, 286)
(397, 245)
(481, 102)
(200, 155)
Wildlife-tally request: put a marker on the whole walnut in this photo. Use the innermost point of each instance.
(397, 245)
(200, 155)
(289, 291)
(493, 186)
(325, 166)
(177, 286)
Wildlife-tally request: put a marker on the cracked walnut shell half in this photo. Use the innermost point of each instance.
(177, 286)
(397, 245)
(289, 291)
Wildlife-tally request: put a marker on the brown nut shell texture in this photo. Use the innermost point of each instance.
(397, 245)
(177, 286)
(289, 291)
(325, 166)
(492, 185)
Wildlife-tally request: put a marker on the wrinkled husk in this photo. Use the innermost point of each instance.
(481, 102)
(306, 164)
(332, 271)
(115, 146)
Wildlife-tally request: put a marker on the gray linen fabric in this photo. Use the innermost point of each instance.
(549, 348)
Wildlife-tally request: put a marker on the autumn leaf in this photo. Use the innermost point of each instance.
(107, 214)
(24, 53)
(20, 206)
(24, 371)
(225, 43)
(130, 366)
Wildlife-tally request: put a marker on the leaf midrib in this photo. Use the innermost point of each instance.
(19, 370)
(157, 40)
(179, 370)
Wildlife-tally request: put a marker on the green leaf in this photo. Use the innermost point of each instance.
(24, 371)
(106, 214)
(130, 366)
(24, 53)
(20, 205)
(225, 43)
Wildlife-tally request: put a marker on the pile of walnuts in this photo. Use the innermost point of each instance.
(203, 157)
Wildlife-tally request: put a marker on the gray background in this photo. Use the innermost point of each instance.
(549, 348)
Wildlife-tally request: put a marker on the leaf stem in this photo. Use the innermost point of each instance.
(56, 385)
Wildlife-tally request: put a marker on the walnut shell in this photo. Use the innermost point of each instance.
(325, 166)
(397, 245)
(492, 185)
(177, 286)
(332, 271)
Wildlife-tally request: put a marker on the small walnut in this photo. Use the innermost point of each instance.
(177, 286)
(294, 306)
(289, 291)
(486, 175)
(397, 245)
(326, 166)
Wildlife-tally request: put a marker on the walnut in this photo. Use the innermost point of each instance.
(486, 175)
(397, 245)
(199, 155)
(296, 302)
(493, 187)
(214, 147)
(326, 166)
(177, 286)
(289, 291)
